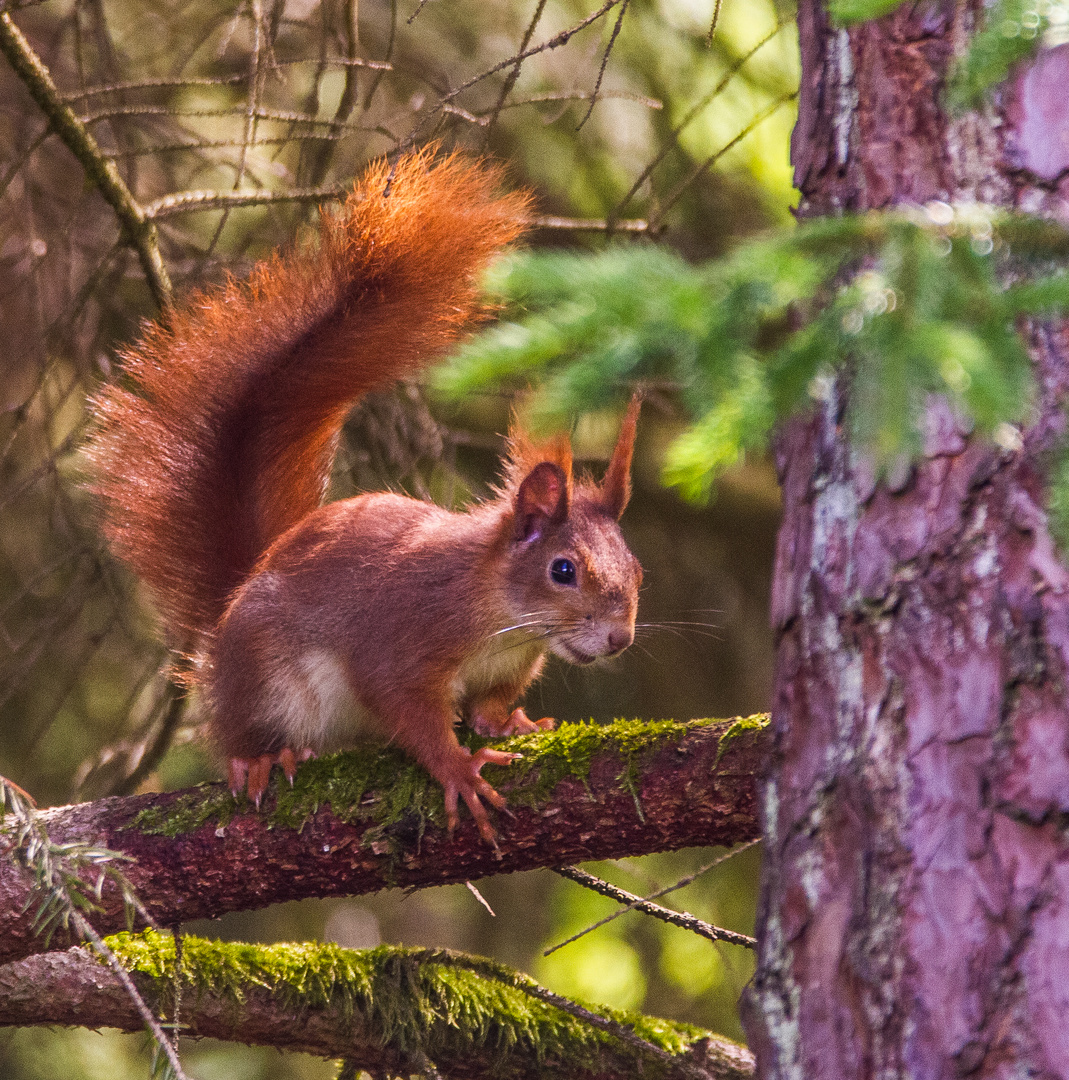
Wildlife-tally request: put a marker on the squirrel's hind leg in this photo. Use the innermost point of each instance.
(300, 707)
(252, 774)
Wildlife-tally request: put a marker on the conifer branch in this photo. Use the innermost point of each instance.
(62, 893)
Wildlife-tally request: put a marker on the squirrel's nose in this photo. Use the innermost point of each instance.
(619, 639)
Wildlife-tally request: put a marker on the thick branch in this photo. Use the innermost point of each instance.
(380, 1009)
(360, 822)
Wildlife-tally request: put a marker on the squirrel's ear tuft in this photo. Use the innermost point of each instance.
(616, 486)
(542, 499)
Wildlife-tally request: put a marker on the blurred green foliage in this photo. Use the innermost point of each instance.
(1011, 31)
(845, 12)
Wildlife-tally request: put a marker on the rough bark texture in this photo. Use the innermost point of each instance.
(694, 787)
(915, 896)
(72, 988)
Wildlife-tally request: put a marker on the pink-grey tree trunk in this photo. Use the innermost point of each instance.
(914, 919)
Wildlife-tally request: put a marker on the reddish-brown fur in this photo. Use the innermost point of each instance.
(311, 622)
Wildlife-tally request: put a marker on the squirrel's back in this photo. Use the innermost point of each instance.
(223, 434)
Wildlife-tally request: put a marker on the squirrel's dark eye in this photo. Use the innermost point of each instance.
(562, 571)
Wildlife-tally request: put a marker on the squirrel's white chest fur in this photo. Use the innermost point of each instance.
(313, 704)
(501, 660)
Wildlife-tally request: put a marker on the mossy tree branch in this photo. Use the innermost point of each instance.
(359, 822)
(384, 1010)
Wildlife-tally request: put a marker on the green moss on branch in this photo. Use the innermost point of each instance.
(377, 787)
(744, 725)
(404, 999)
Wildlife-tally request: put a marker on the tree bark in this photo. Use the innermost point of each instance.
(916, 885)
(679, 785)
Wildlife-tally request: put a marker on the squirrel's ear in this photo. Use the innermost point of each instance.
(541, 499)
(616, 487)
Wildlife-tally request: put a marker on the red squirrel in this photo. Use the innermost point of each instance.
(307, 624)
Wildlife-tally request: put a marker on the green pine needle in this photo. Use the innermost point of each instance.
(846, 12)
(905, 304)
(1012, 31)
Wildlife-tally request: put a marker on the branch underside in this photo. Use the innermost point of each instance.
(359, 822)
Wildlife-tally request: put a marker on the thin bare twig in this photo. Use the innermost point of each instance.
(713, 158)
(17, 164)
(387, 59)
(412, 18)
(584, 95)
(693, 112)
(604, 61)
(177, 701)
(255, 78)
(81, 925)
(150, 84)
(346, 103)
(137, 226)
(514, 74)
(639, 904)
(712, 24)
(219, 144)
(548, 221)
(279, 115)
(185, 201)
(340, 61)
(683, 882)
(479, 896)
(554, 42)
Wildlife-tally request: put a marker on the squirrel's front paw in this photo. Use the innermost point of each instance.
(520, 724)
(460, 778)
(517, 723)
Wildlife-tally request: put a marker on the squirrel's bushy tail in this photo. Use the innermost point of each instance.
(223, 435)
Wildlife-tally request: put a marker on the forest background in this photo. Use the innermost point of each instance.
(661, 119)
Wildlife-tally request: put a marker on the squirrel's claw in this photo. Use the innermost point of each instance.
(259, 774)
(251, 775)
(288, 761)
(237, 772)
